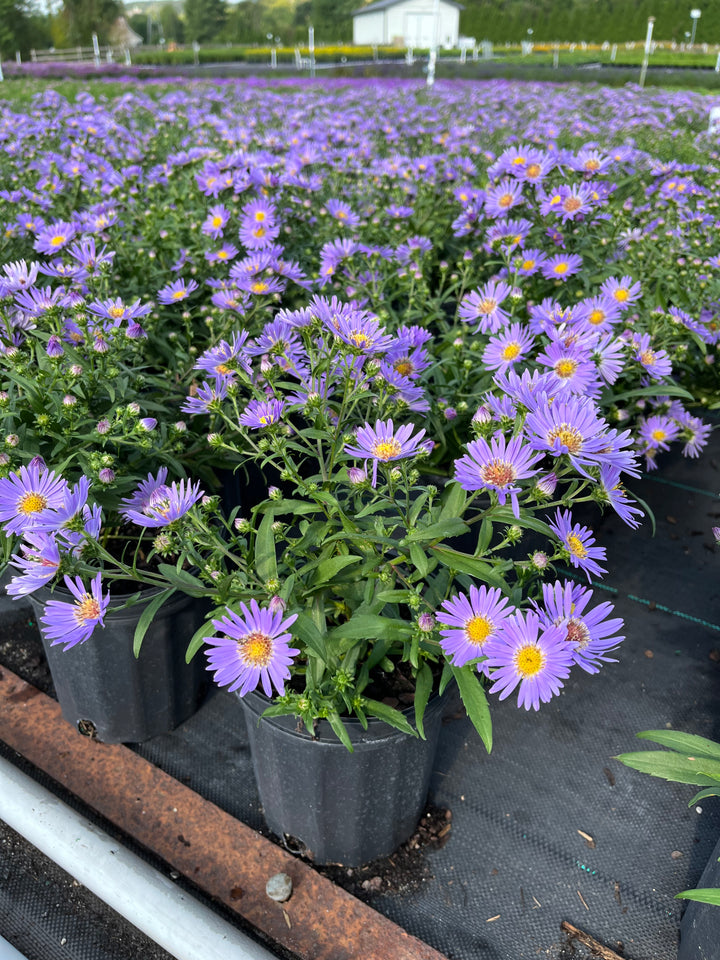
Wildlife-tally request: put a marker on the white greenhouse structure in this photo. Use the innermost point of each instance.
(408, 23)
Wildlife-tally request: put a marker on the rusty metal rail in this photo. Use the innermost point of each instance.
(224, 858)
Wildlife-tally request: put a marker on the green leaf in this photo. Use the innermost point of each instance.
(687, 743)
(196, 640)
(327, 569)
(420, 559)
(305, 630)
(146, 618)
(451, 527)
(709, 792)
(702, 895)
(182, 580)
(340, 731)
(454, 498)
(661, 389)
(505, 515)
(265, 558)
(464, 563)
(389, 714)
(473, 696)
(368, 626)
(423, 686)
(671, 766)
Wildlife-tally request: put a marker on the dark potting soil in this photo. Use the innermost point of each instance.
(403, 872)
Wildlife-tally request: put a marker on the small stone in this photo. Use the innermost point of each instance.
(676, 854)
(714, 655)
(373, 884)
(279, 887)
(649, 654)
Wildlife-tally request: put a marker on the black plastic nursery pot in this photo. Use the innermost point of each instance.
(342, 807)
(108, 693)
(700, 924)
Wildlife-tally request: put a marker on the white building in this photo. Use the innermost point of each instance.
(408, 23)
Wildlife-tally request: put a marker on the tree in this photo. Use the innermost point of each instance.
(204, 19)
(82, 18)
(22, 28)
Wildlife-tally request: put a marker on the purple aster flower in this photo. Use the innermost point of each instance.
(657, 432)
(530, 261)
(656, 362)
(362, 331)
(497, 466)
(573, 427)
(147, 491)
(473, 622)
(623, 292)
(483, 306)
(216, 221)
(342, 212)
(589, 634)
(501, 199)
(534, 658)
(175, 291)
(254, 649)
(561, 266)
(166, 504)
(39, 561)
(571, 368)
(24, 496)
(578, 541)
(616, 495)
(383, 443)
(73, 623)
(117, 311)
(597, 314)
(508, 347)
(262, 413)
(53, 237)
(206, 397)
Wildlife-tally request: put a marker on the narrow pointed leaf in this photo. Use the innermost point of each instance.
(475, 701)
(702, 895)
(147, 617)
(688, 744)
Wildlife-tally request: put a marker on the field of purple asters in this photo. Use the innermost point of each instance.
(529, 272)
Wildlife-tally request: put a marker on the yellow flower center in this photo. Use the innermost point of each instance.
(592, 165)
(647, 357)
(533, 171)
(597, 316)
(259, 232)
(561, 268)
(87, 608)
(576, 546)
(510, 351)
(529, 660)
(217, 221)
(621, 294)
(568, 436)
(572, 204)
(255, 650)
(478, 629)
(404, 367)
(341, 215)
(259, 286)
(57, 241)
(565, 368)
(506, 200)
(528, 264)
(518, 161)
(223, 369)
(658, 435)
(486, 306)
(498, 472)
(117, 312)
(360, 339)
(387, 449)
(222, 255)
(178, 295)
(31, 503)
(260, 216)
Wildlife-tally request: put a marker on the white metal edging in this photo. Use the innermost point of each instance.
(151, 902)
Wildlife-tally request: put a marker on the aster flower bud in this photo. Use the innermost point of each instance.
(180, 426)
(76, 370)
(514, 533)
(147, 423)
(450, 413)
(54, 347)
(242, 525)
(273, 585)
(540, 560)
(356, 475)
(716, 534)
(546, 485)
(4, 459)
(69, 400)
(133, 408)
(274, 493)
(12, 440)
(426, 622)
(103, 426)
(106, 475)
(276, 605)
(4, 397)
(38, 463)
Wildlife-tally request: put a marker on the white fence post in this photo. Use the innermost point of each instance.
(196, 52)
(18, 58)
